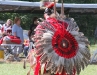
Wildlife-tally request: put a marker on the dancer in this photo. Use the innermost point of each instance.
(63, 50)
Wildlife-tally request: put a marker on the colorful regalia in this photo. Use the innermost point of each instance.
(59, 45)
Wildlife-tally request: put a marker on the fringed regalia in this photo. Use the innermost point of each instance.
(59, 46)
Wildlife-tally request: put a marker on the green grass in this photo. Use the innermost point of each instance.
(17, 68)
(90, 70)
(13, 69)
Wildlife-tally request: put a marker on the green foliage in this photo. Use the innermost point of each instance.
(26, 18)
(79, 1)
(87, 23)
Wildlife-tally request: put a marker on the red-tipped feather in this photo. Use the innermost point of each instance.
(48, 3)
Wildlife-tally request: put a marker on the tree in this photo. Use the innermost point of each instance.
(26, 18)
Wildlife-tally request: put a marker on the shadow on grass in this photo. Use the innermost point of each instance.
(93, 63)
(2, 61)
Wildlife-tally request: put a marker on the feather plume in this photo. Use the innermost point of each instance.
(49, 65)
(56, 63)
(47, 3)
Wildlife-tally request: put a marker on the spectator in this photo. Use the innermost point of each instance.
(30, 34)
(32, 27)
(26, 47)
(7, 27)
(18, 32)
(26, 50)
(31, 31)
(17, 29)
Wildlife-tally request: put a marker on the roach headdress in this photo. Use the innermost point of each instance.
(49, 6)
(47, 3)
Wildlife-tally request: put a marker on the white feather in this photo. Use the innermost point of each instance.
(75, 33)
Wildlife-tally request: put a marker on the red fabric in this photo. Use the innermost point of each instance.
(38, 67)
(15, 39)
(1, 40)
(12, 39)
(56, 23)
